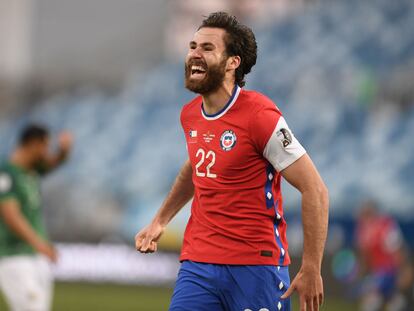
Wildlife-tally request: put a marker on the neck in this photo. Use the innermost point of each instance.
(20, 158)
(214, 102)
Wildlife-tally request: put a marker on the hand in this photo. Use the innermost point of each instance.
(47, 250)
(65, 141)
(309, 286)
(146, 239)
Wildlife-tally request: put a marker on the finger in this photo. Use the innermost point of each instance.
(145, 244)
(309, 304)
(52, 256)
(289, 292)
(321, 299)
(302, 303)
(155, 246)
(138, 242)
(152, 247)
(315, 303)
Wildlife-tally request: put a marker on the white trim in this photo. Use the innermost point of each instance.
(238, 89)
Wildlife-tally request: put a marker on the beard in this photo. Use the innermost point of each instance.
(213, 77)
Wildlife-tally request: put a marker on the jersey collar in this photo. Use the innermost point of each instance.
(223, 111)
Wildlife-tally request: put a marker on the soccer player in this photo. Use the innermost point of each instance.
(235, 253)
(383, 260)
(25, 252)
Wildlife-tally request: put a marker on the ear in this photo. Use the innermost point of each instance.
(233, 62)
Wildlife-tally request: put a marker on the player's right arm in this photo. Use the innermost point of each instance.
(57, 158)
(11, 215)
(181, 192)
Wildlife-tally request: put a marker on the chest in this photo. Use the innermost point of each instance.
(219, 149)
(29, 190)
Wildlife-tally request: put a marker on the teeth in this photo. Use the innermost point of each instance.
(199, 68)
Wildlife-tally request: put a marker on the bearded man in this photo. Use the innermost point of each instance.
(235, 252)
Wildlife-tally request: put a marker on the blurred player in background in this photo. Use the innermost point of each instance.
(383, 259)
(235, 253)
(25, 252)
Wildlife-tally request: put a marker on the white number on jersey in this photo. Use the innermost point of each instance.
(210, 156)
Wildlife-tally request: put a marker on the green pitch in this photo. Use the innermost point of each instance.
(108, 297)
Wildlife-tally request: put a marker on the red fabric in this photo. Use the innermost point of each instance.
(230, 222)
(379, 242)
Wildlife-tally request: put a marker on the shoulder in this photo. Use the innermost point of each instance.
(260, 108)
(256, 101)
(5, 168)
(191, 107)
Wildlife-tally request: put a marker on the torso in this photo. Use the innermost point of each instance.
(24, 187)
(237, 214)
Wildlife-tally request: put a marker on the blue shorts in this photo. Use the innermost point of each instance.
(211, 287)
(383, 283)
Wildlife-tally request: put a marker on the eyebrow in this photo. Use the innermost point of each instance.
(204, 44)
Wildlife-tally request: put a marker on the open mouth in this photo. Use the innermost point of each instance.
(197, 72)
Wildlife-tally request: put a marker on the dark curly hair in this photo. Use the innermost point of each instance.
(33, 132)
(240, 41)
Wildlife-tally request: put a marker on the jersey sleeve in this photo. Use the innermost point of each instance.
(7, 187)
(274, 139)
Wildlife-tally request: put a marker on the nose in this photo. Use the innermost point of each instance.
(194, 53)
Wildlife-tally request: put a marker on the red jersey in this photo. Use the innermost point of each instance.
(236, 156)
(380, 240)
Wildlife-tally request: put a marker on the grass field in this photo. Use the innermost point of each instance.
(109, 297)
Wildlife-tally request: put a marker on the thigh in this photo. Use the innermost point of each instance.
(194, 289)
(256, 288)
(386, 284)
(20, 281)
(44, 280)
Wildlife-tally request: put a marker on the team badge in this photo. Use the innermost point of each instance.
(285, 137)
(228, 140)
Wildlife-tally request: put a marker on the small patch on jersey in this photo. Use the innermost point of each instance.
(266, 253)
(228, 140)
(5, 183)
(192, 136)
(285, 137)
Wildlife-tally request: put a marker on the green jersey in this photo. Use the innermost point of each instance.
(23, 187)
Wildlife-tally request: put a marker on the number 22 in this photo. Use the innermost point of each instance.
(210, 154)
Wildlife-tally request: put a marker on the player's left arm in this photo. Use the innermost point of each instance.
(273, 138)
(58, 157)
(303, 175)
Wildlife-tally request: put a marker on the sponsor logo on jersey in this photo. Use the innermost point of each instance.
(193, 133)
(208, 137)
(285, 137)
(228, 140)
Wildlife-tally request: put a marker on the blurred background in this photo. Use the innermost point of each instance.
(111, 72)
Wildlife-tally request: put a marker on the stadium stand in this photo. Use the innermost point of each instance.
(325, 68)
